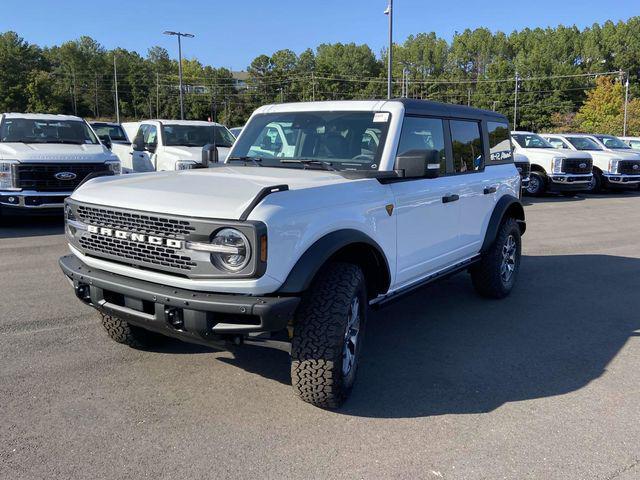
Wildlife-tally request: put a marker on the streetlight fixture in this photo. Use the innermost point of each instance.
(389, 13)
(180, 35)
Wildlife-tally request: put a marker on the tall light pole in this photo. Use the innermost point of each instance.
(515, 103)
(115, 83)
(180, 35)
(626, 103)
(389, 13)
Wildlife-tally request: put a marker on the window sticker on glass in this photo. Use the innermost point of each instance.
(381, 117)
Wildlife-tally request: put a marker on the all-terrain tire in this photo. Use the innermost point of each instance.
(321, 335)
(537, 184)
(487, 275)
(123, 332)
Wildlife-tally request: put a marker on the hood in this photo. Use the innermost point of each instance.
(552, 152)
(222, 192)
(54, 152)
(520, 158)
(193, 153)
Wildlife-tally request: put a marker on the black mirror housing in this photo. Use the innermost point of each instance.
(209, 154)
(138, 144)
(106, 141)
(418, 164)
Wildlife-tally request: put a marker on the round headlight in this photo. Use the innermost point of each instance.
(238, 250)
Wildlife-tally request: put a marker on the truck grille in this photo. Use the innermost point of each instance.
(139, 252)
(524, 168)
(626, 167)
(41, 177)
(135, 222)
(573, 166)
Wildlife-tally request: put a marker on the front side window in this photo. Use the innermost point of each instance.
(424, 134)
(610, 141)
(151, 135)
(114, 131)
(584, 143)
(466, 142)
(635, 144)
(338, 140)
(500, 150)
(557, 143)
(24, 130)
(530, 140)
(196, 135)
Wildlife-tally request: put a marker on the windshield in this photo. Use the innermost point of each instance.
(196, 135)
(584, 143)
(342, 140)
(116, 132)
(530, 140)
(610, 141)
(23, 130)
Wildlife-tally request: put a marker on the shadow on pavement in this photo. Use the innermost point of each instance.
(578, 196)
(14, 226)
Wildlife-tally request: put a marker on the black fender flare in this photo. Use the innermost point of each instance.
(507, 205)
(317, 255)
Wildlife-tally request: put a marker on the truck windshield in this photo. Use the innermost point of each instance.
(25, 130)
(116, 132)
(340, 140)
(530, 140)
(610, 141)
(196, 135)
(584, 143)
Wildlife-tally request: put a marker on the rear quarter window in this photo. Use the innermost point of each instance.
(500, 148)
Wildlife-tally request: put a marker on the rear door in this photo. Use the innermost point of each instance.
(427, 222)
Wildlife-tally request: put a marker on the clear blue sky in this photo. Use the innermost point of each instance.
(232, 33)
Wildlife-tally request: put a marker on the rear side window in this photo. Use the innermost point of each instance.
(466, 141)
(500, 149)
(424, 134)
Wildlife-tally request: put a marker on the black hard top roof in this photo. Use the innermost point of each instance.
(427, 107)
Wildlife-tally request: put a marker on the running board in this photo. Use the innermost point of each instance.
(385, 300)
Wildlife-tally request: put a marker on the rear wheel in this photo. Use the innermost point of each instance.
(537, 184)
(495, 274)
(327, 340)
(123, 332)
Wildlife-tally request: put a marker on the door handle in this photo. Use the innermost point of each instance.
(450, 198)
(489, 190)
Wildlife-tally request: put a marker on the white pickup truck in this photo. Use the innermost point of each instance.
(615, 164)
(158, 145)
(43, 158)
(552, 169)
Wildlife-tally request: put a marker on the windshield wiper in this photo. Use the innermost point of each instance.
(319, 163)
(72, 142)
(255, 160)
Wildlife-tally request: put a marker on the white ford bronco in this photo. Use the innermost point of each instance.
(614, 166)
(302, 242)
(553, 169)
(43, 158)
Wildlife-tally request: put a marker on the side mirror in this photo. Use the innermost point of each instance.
(209, 154)
(138, 144)
(418, 164)
(106, 140)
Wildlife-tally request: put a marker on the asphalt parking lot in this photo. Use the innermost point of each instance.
(544, 384)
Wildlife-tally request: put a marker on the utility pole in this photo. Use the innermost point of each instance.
(626, 103)
(389, 13)
(313, 86)
(405, 82)
(96, 98)
(180, 35)
(157, 96)
(75, 99)
(115, 82)
(515, 104)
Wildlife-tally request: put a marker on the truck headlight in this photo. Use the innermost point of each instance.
(6, 175)
(114, 166)
(233, 250)
(185, 164)
(613, 166)
(556, 164)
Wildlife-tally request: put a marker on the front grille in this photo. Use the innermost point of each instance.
(573, 166)
(135, 222)
(140, 252)
(626, 167)
(524, 168)
(41, 176)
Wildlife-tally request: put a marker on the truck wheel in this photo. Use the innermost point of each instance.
(328, 335)
(495, 274)
(537, 184)
(127, 334)
(595, 185)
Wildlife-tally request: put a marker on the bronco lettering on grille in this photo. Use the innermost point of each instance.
(135, 237)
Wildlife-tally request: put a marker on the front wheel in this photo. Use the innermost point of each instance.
(495, 274)
(328, 333)
(595, 184)
(537, 184)
(123, 332)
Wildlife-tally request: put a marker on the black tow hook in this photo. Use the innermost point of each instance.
(175, 318)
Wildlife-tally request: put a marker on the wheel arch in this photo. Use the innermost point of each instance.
(346, 245)
(507, 206)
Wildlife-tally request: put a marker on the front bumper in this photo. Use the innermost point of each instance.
(524, 181)
(622, 179)
(33, 200)
(199, 317)
(568, 182)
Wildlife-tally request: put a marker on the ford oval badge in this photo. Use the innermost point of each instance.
(65, 176)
